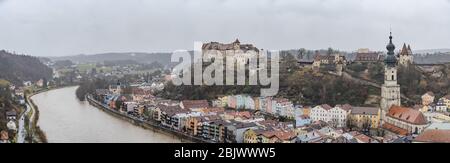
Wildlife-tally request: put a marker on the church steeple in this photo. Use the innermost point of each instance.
(390, 90)
(390, 60)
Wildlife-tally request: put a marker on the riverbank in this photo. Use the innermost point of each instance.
(146, 124)
(38, 135)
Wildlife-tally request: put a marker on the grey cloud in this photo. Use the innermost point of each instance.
(65, 27)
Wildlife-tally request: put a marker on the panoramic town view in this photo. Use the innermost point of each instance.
(224, 71)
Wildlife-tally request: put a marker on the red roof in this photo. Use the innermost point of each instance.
(434, 136)
(367, 56)
(345, 107)
(395, 129)
(326, 106)
(407, 115)
(192, 104)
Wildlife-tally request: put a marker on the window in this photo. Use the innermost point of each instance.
(392, 77)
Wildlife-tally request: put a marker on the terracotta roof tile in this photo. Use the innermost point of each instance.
(434, 136)
(395, 129)
(407, 115)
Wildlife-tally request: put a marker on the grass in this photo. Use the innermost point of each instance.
(85, 67)
(4, 82)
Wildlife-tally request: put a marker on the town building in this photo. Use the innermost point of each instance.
(339, 114)
(390, 90)
(320, 113)
(433, 136)
(283, 107)
(445, 100)
(428, 98)
(194, 105)
(404, 121)
(440, 106)
(366, 116)
(11, 115)
(311, 137)
(241, 53)
(4, 137)
(366, 56)
(236, 131)
(116, 89)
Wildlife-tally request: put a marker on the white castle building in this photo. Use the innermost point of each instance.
(235, 50)
(406, 56)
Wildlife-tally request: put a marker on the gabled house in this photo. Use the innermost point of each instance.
(194, 105)
(236, 131)
(11, 115)
(404, 121)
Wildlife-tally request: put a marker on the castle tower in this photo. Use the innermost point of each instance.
(237, 44)
(390, 90)
(406, 56)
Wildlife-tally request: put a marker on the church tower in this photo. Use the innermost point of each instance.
(390, 90)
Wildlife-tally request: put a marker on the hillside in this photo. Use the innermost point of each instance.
(19, 68)
(163, 58)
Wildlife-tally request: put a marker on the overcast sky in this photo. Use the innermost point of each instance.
(68, 27)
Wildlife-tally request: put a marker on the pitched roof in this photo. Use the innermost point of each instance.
(172, 110)
(4, 135)
(326, 106)
(345, 107)
(11, 113)
(394, 129)
(190, 104)
(364, 138)
(372, 56)
(407, 115)
(434, 136)
(429, 93)
(447, 97)
(365, 110)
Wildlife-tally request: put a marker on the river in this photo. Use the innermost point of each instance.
(65, 119)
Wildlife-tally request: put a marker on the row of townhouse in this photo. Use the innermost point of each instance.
(276, 106)
(337, 116)
(269, 135)
(196, 118)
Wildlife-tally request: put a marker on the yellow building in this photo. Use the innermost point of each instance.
(307, 111)
(427, 98)
(446, 100)
(362, 115)
(250, 136)
(224, 101)
(269, 136)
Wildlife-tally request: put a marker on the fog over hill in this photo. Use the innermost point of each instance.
(163, 58)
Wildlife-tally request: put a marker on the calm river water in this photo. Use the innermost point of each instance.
(64, 119)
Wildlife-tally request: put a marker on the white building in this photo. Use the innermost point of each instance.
(283, 107)
(321, 113)
(339, 115)
(440, 106)
(406, 56)
(240, 53)
(336, 116)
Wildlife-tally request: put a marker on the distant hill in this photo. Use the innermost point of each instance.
(432, 58)
(431, 51)
(163, 58)
(19, 68)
